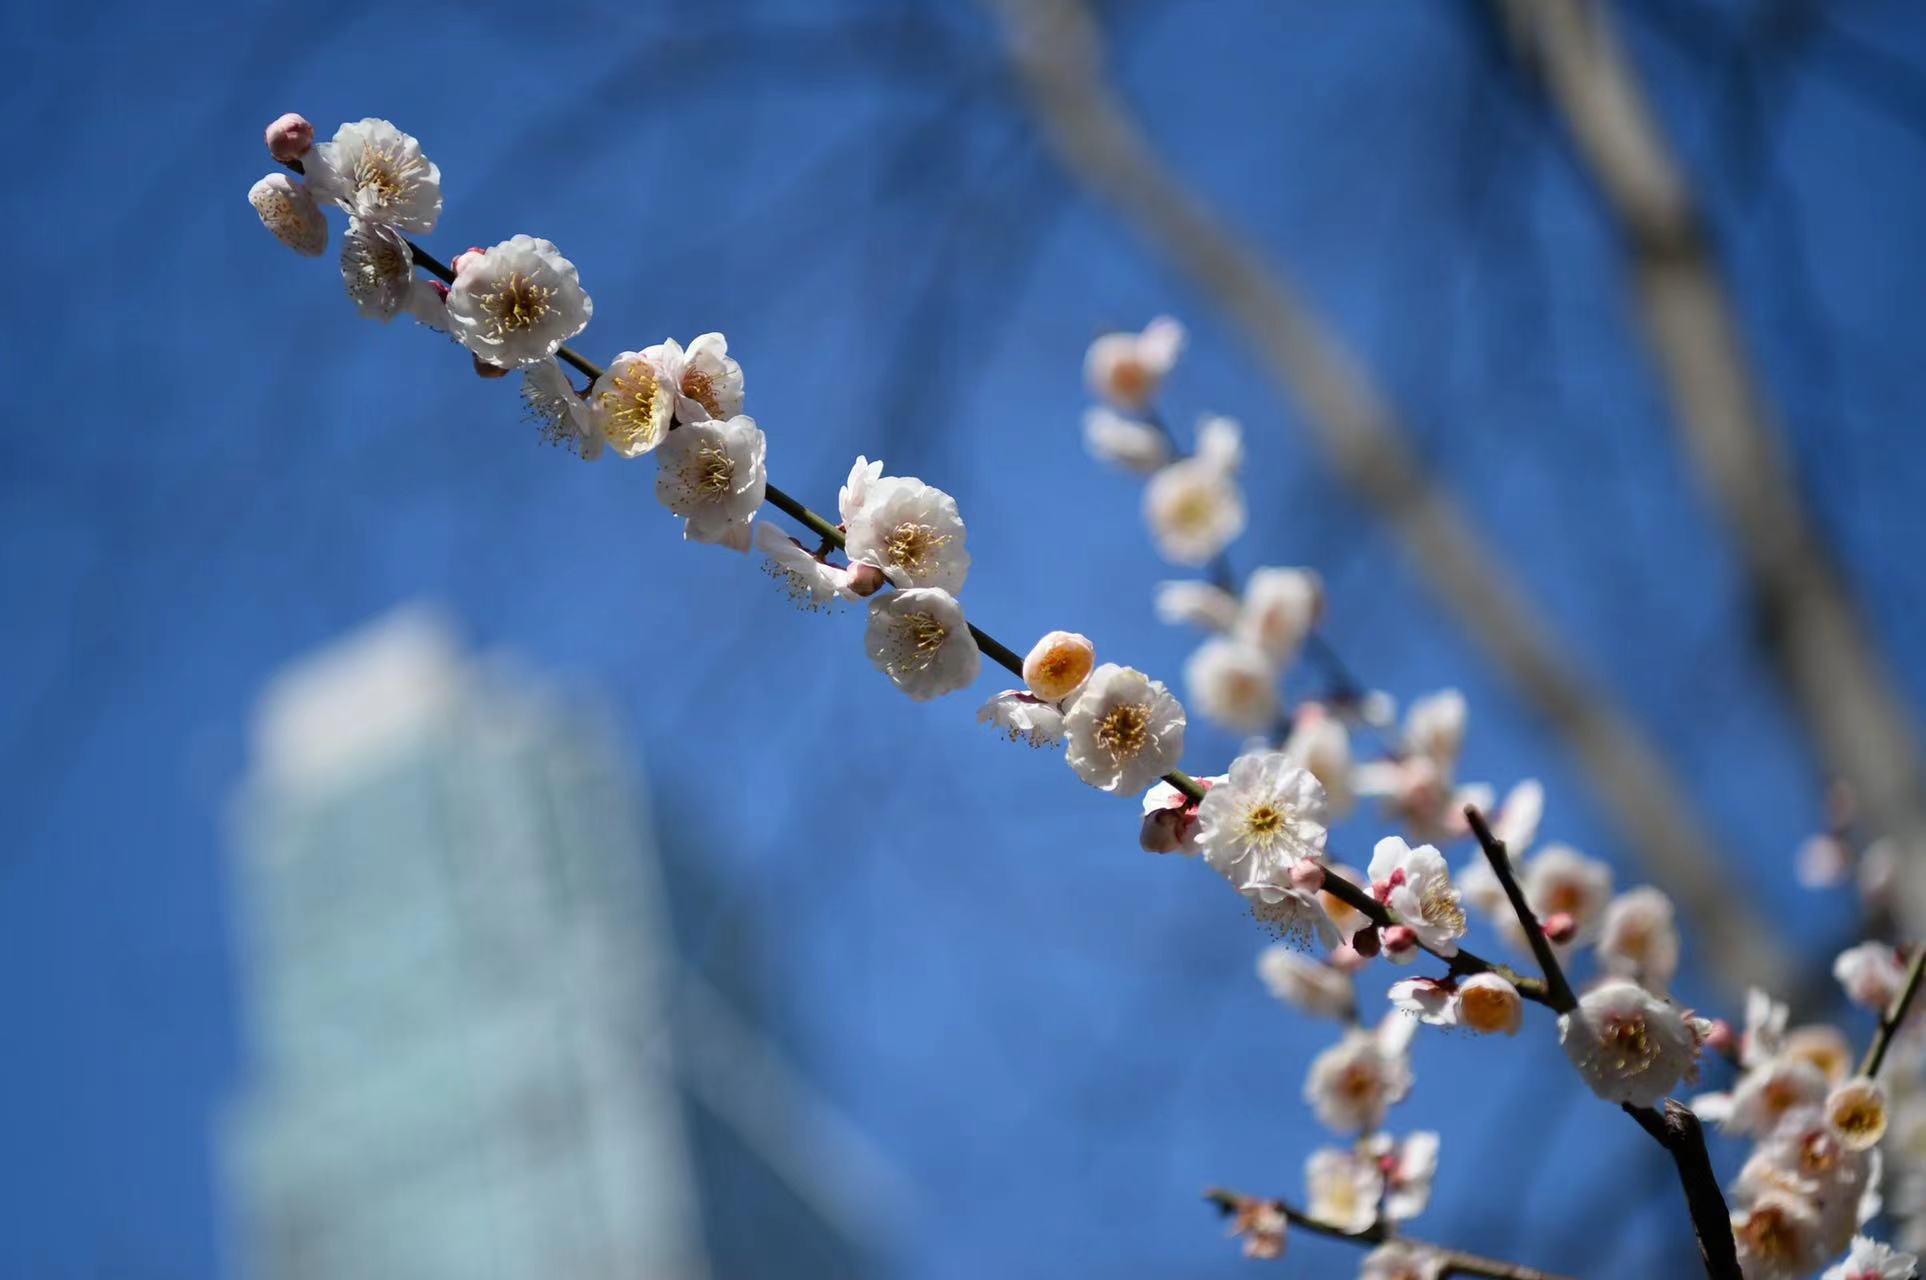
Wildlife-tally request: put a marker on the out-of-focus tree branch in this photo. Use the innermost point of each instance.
(1057, 50)
(1813, 628)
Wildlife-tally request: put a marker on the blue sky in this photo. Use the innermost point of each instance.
(214, 465)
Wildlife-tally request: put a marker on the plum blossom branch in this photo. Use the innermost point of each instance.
(1454, 1262)
(998, 652)
(1893, 1017)
(1558, 991)
(1679, 1132)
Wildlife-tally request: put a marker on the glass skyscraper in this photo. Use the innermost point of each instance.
(456, 976)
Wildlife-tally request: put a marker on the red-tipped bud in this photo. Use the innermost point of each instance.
(289, 138)
(1307, 875)
(1399, 940)
(866, 579)
(466, 259)
(1560, 927)
(487, 370)
(1365, 941)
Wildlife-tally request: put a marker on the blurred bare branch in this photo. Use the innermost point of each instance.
(1058, 53)
(1810, 623)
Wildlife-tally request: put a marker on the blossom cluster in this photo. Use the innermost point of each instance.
(1823, 1133)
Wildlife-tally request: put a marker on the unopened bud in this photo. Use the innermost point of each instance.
(1399, 941)
(1559, 927)
(487, 370)
(866, 579)
(1720, 1038)
(1307, 875)
(466, 259)
(1365, 941)
(290, 138)
(1346, 959)
(1162, 831)
(1058, 665)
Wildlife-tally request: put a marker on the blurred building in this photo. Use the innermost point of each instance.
(458, 977)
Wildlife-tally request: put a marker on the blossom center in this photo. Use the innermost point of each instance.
(911, 546)
(631, 407)
(1631, 1040)
(714, 470)
(1194, 510)
(918, 637)
(1768, 1232)
(517, 304)
(1124, 730)
(698, 387)
(1438, 905)
(378, 171)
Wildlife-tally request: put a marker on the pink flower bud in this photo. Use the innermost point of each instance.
(1560, 927)
(466, 259)
(484, 369)
(1399, 939)
(289, 138)
(1720, 1038)
(1345, 959)
(1307, 875)
(1365, 941)
(866, 579)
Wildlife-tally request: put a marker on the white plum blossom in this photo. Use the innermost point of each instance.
(712, 474)
(1434, 726)
(1112, 437)
(562, 415)
(428, 303)
(1342, 1188)
(1306, 984)
(1432, 1001)
(633, 404)
(377, 173)
(1805, 1156)
(1823, 1046)
(1319, 741)
(1409, 1166)
(1194, 511)
(1779, 1237)
(706, 383)
(517, 303)
(855, 490)
(1198, 604)
(1170, 819)
(1220, 443)
(1489, 1004)
(1352, 1084)
(909, 530)
(288, 209)
(1124, 731)
(1232, 683)
(1263, 1226)
(1872, 974)
(1401, 1260)
(1267, 814)
(1639, 939)
(1290, 913)
(1769, 1090)
(1278, 610)
(1058, 664)
(1416, 884)
(809, 582)
(920, 640)
(378, 269)
(1822, 862)
(1128, 369)
(1870, 1260)
(1856, 1111)
(1023, 717)
(1561, 880)
(1628, 1045)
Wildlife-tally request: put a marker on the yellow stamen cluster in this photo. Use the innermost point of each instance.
(1124, 730)
(909, 547)
(697, 386)
(516, 304)
(915, 640)
(715, 470)
(635, 409)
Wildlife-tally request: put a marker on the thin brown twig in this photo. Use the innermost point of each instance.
(1456, 1261)
(1895, 1014)
(1679, 1132)
(1461, 961)
(1558, 990)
